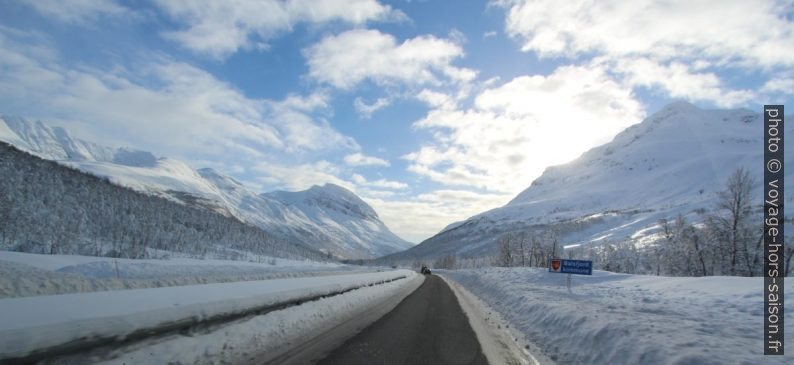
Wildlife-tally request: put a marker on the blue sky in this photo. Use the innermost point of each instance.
(432, 111)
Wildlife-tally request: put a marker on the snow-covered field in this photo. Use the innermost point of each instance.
(41, 322)
(25, 274)
(612, 318)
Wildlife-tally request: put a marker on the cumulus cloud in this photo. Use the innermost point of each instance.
(380, 183)
(516, 129)
(220, 28)
(673, 46)
(359, 159)
(679, 80)
(752, 33)
(436, 99)
(183, 111)
(365, 110)
(302, 176)
(783, 85)
(419, 217)
(347, 59)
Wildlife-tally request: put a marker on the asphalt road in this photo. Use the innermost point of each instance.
(427, 327)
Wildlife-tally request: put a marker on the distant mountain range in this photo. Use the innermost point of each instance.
(675, 161)
(329, 218)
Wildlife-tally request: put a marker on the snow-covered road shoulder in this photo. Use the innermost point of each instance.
(498, 344)
(295, 335)
(36, 324)
(629, 319)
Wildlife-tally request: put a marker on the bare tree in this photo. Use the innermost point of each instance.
(693, 237)
(505, 251)
(521, 242)
(735, 201)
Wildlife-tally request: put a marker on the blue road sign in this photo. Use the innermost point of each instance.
(562, 266)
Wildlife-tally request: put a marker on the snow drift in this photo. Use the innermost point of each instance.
(612, 318)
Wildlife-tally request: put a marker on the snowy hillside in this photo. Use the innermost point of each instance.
(329, 218)
(340, 213)
(673, 162)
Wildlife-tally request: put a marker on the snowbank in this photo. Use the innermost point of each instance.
(26, 274)
(41, 322)
(629, 319)
(259, 339)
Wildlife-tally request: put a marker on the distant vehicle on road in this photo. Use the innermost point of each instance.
(425, 270)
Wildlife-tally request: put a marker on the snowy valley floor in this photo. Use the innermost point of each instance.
(606, 318)
(612, 318)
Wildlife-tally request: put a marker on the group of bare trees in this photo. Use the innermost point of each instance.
(727, 240)
(528, 248)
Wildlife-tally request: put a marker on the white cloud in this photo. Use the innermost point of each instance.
(184, 112)
(78, 11)
(752, 33)
(359, 159)
(301, 176)
(351, 57)
(783, 85)
(417, 218)
(679, 47)
(380, 183)
(517, 129)
(220, 28)
(435, 99)
(365, 110)
(366, 193)
(678, 80)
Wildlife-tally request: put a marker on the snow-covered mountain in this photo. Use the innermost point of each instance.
(675, 161)
(327, 217)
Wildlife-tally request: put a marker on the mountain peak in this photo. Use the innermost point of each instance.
(341, 199)
(134, 158)
(680, 105)
(328, 217)
(331, 188)
(673, 162)
(52, 143)
(329, 196)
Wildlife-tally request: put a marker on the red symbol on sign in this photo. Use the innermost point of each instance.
(555, 265)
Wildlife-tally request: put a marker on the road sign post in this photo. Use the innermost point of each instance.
(578, 267)
(570, 267)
